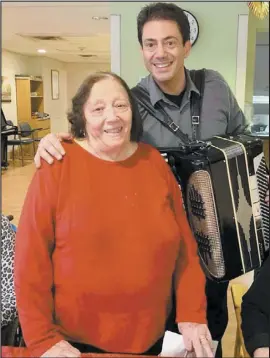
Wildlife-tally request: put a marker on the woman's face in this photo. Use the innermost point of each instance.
(108, 115)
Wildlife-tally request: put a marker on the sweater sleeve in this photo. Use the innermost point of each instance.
(255, 311)
(33, 261)
(189, 279)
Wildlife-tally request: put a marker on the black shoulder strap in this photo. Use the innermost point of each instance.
(143, 98)
(198, 78)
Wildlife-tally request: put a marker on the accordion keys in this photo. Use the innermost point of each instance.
(262, 181)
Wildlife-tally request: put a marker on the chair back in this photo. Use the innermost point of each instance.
(25, 129)
(10, 123)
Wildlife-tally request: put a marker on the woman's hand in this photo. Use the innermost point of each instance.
(50, 147)
(62, 349)
(197, 338)
(261, 353)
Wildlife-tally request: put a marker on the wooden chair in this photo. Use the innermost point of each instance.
(237, 291)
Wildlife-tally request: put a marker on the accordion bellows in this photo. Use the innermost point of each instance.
(224, 186)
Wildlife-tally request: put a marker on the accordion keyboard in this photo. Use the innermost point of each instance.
(263, 185)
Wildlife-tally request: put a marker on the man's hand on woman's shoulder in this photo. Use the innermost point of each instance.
(50, 147)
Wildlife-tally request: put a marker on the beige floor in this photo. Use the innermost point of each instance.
(15, 182)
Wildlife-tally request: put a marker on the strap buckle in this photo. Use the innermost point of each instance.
(196, 120)
(173, 126)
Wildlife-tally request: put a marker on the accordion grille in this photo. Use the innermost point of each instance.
(263, 185)
(204, 222)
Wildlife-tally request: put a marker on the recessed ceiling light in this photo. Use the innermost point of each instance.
(99, 18)
(41, 50)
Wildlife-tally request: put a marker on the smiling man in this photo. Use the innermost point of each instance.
(164, 56)
(164, 36)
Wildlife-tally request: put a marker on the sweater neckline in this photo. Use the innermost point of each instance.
(126, 161)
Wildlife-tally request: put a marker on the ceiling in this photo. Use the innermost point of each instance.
(72, 22)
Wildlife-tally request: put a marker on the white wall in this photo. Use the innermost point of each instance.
(56, 108)
(14, 64)
(71, 75)
(77, 72)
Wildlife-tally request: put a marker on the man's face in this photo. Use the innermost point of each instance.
(163, 49)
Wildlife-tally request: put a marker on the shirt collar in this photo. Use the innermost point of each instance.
(156, 94)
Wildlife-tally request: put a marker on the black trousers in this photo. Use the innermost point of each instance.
(217, 310)
(87, 348)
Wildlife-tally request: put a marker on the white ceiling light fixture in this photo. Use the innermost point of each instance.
(100, 18)
(41, 50)
(261, 99)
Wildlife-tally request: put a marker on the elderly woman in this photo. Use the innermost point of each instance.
(103, 237)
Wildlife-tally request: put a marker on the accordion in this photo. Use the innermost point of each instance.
(224, 183)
